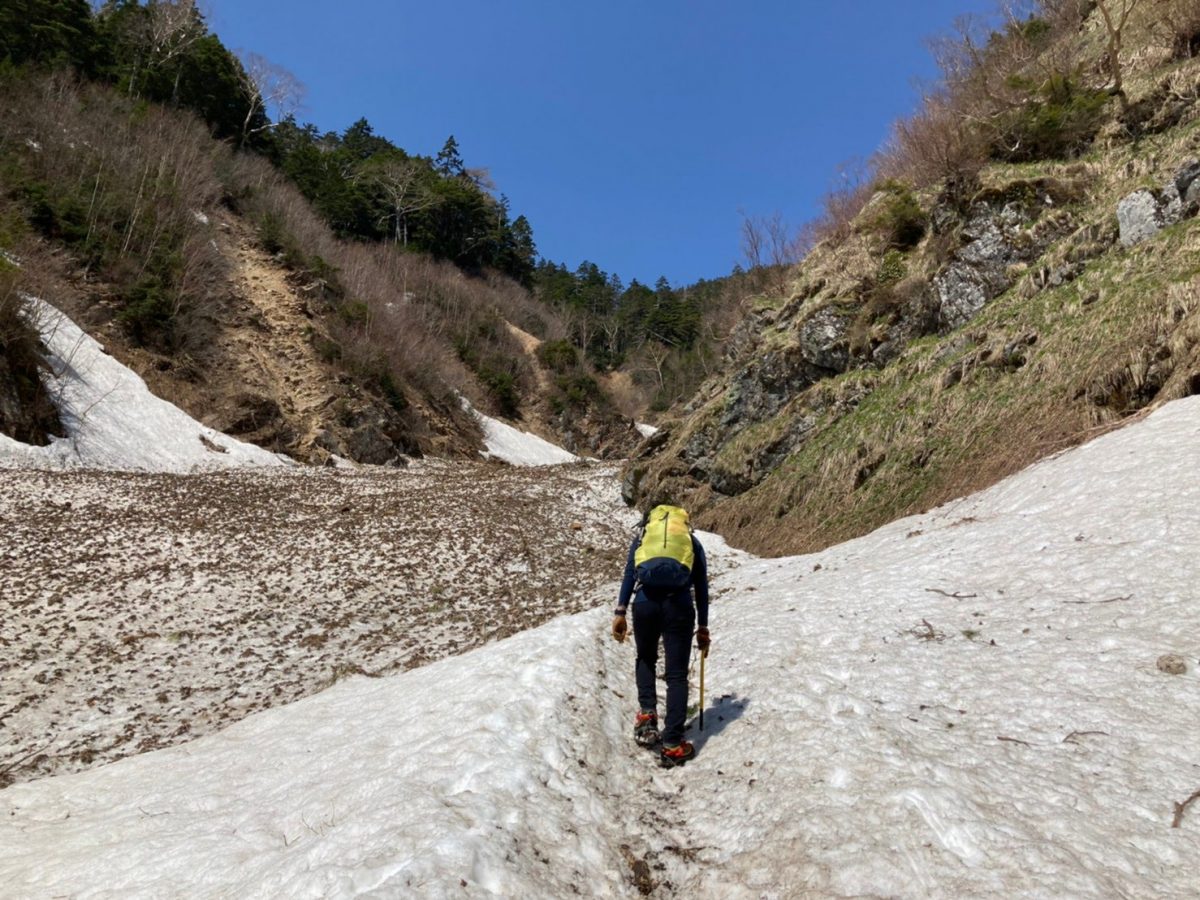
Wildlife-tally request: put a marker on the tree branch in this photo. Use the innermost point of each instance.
(1180, 807)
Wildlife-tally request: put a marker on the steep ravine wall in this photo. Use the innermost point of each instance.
(1031, 317)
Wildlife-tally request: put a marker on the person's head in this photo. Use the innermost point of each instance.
(659, 498)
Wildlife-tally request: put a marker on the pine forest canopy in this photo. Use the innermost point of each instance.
(363, 184)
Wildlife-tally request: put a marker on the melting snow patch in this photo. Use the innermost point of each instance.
(645, 430)
(516, 447)
(111, 418)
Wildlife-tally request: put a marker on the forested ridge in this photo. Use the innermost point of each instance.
(418, 261)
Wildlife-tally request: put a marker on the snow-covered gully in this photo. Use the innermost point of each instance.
(967, 703)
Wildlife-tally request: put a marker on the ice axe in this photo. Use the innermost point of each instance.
(703, 657)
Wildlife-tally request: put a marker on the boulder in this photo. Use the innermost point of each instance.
(254, 413)
(631, 485)
(729, 483)
(1139, 217)
(370, 444)
(1186, 178)
(823, 339)
(1145, 213)
(962, 291)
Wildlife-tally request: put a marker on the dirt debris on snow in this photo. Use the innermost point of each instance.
(147, 610)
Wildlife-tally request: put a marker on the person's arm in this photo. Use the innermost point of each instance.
(700, 580)
(628, 582)
(620, 627)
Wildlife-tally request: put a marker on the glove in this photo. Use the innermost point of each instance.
(703, 641)
(619, 629)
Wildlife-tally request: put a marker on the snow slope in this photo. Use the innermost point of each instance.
(516, 447)
(962, 704)
(111, 418)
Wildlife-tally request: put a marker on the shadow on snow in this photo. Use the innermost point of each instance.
(718, 716)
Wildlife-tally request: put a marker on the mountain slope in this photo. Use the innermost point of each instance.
(965, 703)
(206, 271)
(953, 332)
(111, 420)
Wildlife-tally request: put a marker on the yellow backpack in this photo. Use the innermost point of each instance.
(664, 558)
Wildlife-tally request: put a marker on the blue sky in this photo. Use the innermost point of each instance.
(630, 132)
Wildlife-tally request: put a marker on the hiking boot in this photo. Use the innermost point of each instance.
(645, 729)
(676, 756)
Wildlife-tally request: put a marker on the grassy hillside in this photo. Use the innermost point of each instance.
(953, 329)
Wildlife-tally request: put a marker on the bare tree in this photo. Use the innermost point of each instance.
(1115, 14)
(771, 246)
(481, 177)
(753, 243)
(613, 332)
(269, 87)
(934, 144)
(657, 355)
(166, 32)
(401, 182)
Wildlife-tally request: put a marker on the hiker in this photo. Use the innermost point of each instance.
(665, 563)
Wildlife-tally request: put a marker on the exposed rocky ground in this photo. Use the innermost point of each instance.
(145, 610)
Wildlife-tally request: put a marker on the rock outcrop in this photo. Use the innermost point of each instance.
(828, 329)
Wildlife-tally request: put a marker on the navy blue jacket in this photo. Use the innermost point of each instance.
(699, 580)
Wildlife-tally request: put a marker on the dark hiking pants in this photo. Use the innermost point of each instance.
(671, 619)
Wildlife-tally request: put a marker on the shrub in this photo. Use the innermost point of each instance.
(851, 191)
(328, 350)
(502, 388)
(271, 233)
(579, 391)
(558, 356)
(354, 312)
(1033, 31)
(392, 392)
(27, 413)
(56, 212)
(900, 218)
(935, 145)
(891, 269)
(1059, 122)
(149, 312)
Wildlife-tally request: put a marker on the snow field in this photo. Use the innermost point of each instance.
(962, 704)
(494, 774)
(516, 447)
